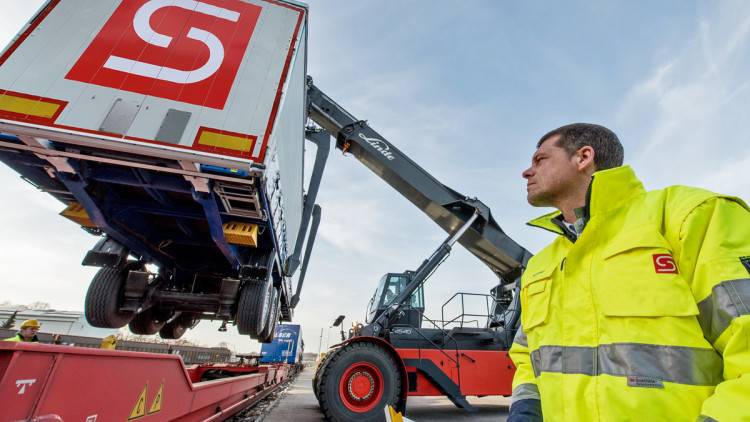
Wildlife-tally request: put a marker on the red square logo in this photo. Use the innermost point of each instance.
(182, 50)
(664, 264)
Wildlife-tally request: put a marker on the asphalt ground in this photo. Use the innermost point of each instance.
(298, 404)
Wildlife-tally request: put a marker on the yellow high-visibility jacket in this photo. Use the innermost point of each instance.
(646, 315)
(18, 337)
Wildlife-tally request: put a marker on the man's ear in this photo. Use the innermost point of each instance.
(585, 159)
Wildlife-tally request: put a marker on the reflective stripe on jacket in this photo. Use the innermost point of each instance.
(645, 314)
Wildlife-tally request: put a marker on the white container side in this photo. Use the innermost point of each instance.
(64, 62)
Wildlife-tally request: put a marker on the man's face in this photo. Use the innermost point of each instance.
(28, 332)
(552, 175)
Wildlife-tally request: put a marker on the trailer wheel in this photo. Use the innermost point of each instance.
(358, 382)
(176, 328)
(147, 322)
(254, 306)
(269, 331)
(104, 297)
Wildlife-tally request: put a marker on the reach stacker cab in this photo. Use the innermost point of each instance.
(403, 353)
(389, 286)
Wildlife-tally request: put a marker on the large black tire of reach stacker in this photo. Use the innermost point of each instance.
(254, 306)
(104, 297)
(319, 370)
(147, 322)
(269, 331)
(358, 382)
(177, 327)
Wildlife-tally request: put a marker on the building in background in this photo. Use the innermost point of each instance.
(57, 322)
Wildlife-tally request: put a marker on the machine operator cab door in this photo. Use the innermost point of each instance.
(389, 287)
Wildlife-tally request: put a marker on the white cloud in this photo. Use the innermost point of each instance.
(687, 117)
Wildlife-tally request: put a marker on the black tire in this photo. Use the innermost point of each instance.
(147, 322)
(269, 331)
(176, 328)
(358, 382)
(104, 297)
(319, 370)
(254, 306)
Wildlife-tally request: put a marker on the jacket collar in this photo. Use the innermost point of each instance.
(20, 338)
(609, 190)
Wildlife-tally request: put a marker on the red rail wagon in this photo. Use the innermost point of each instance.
(40, 382)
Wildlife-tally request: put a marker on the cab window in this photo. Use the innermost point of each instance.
(393, 287)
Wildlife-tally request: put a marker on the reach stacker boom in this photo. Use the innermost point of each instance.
(395, 356)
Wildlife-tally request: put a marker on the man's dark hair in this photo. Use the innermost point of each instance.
(608, 152)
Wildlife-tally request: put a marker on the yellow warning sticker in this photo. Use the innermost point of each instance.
(139, 410)
(237, 142)
(156, 404)
(34, 107)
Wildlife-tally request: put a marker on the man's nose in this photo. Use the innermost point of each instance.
(527, 173)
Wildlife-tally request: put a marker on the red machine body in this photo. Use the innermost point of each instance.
(42, 382)
(360, 373)
(482, 372)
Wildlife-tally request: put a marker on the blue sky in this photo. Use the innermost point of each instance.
(465, 89)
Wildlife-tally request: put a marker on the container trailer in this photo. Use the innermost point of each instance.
(173, 131)
(52, 383)
(286, 347)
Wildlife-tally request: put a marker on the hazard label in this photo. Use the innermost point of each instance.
(139, 409)
(156, 404)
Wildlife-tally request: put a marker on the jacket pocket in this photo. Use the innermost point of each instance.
(536, 291)
(640, 277)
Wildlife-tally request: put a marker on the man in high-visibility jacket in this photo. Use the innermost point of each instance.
(640, 308)
(27, 332)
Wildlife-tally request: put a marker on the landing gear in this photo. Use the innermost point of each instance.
(359, 380)
(254, 307)
(105, 296)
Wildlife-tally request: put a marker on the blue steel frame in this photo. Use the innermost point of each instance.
(95, 186)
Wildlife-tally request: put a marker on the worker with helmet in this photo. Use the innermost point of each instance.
(27, 332)
(639, 310)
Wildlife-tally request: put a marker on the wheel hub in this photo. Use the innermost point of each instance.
(361, 386)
